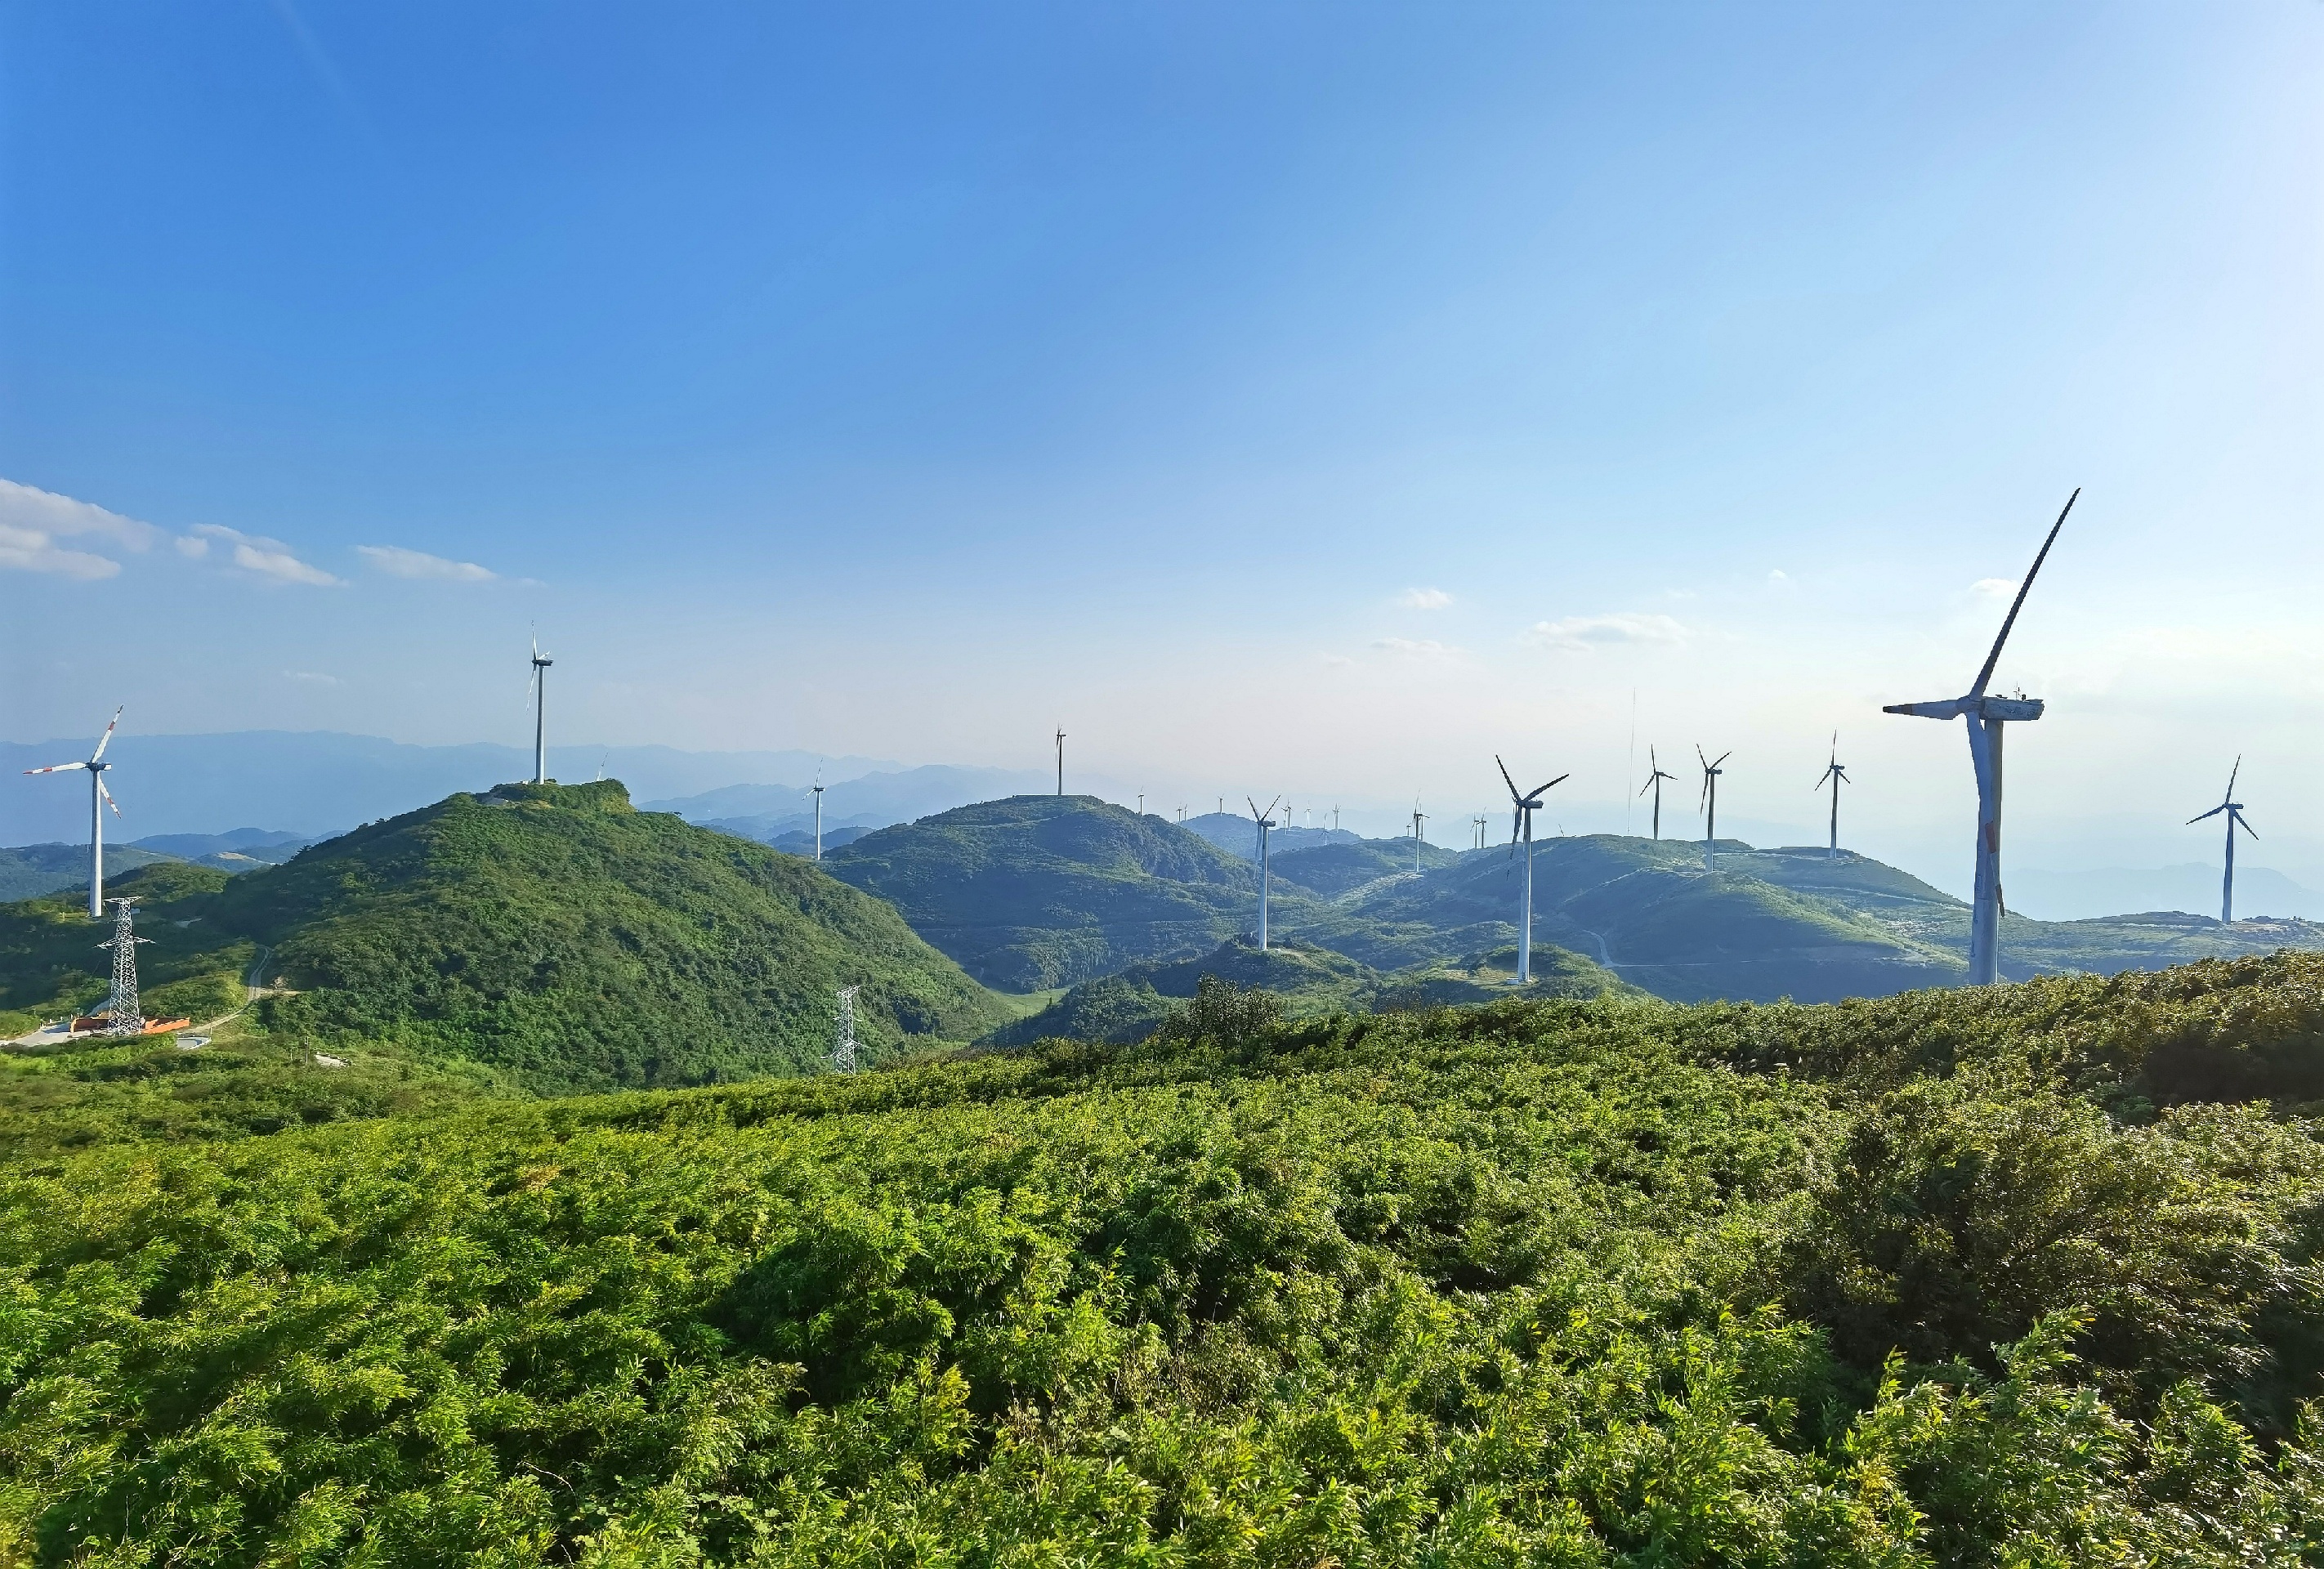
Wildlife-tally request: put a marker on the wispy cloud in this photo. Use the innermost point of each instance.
(261, 558)
(1423, 599)
(398, 562)
(1995, 588)
(1416, 648)
(311, 677)
(32, 520)
(1591, 632)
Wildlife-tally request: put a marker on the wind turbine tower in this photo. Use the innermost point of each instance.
(1835, 774)
(1708, 805)
(1654, 783)
(1477, 824)
(817, 789)
(1522, 806)
(1061, 761)
(1266, 821)
(2234, 811)
(1985, 716)
(99, 798)
(1419, 822)
(540, 684)
(122, 1013)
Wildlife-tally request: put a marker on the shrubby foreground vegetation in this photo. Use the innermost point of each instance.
(2025, 1276)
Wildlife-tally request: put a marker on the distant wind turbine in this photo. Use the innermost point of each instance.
(1266, 821)
(1985, 715)
(540, 695)
(817, 789)
(1654, 783)
(1477, 824)
(1709, 805)
(1835, 774)
(2234, 811)
(1061, 760)
(1419, 821)
(1522, 806)
(99, 798)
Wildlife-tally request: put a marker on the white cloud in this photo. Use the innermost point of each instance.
(192, 548)
(31, 551)
(1416, 648)
(1779, 579)
(1423, 599)
(398, 562)
(1995, 588)
(32, 520)
(311, 678)
(262, 557)
(1590, 631)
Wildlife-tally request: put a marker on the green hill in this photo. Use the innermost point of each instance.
(1951, 1278)
(1039, 891)
(30, 870)
(1770, 924)
(551, 934)
(1334, 870)
(1304, 981)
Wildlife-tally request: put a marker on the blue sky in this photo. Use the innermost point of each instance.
(1312, 398)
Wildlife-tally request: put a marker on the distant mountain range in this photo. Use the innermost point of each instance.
(312, 782)
(1238, 835)
(765, 812)
(1041, 892)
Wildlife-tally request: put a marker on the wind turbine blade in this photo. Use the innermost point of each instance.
(105, 740)
(1535, 797)
(57, 768)
(108, 796)
(1650, 782)
(2009, 620)
(1700, 758)
(2247, 827)
(1505, 777)
(2231, 776)
(2214, 812)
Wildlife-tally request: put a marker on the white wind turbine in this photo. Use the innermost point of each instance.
(1266, 821)
(1709, 805)
(1835, 774)
(99, 798)
(1654, 783)
(1522, 807)
(2234, 811)
(1985, 715)
(539, 692)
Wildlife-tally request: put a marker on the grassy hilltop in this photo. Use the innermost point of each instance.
(549, 936)
(2028, 1274)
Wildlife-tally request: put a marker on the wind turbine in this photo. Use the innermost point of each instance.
(1985, 715)
(1522, 807)
(2235, 810)
(1419, 820)
(1477, 825)
(1654, 783)
(1835, 774)
(1266, 820)
(1708, 805)
(99, 798)
(1061, 761)
(540, 695)
(817, 789)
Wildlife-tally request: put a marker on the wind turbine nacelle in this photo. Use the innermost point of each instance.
(1984, 708)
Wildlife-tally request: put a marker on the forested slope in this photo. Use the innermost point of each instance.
(549, 933)
(1951, 1278)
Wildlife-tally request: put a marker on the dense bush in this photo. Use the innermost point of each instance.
(1553, 1283)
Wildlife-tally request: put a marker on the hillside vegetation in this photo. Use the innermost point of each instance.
(1303, 979)
(548, 933)
(1951, 1278)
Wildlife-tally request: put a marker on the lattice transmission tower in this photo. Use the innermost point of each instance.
(843, 1051)
(122, 1013)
